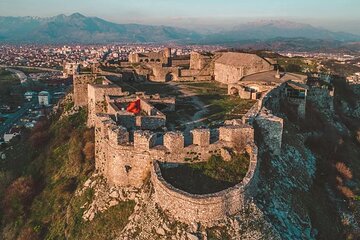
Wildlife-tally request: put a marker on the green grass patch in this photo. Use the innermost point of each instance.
(104, 226)
(207, 177)
(11, 91)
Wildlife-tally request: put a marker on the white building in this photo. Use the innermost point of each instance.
(11, 134)
(44, 98)
(29, 95)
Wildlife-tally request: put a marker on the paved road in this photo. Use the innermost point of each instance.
(39, 68)
(15, 117)
(23, 78)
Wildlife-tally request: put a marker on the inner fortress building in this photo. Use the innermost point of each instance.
(224, 67)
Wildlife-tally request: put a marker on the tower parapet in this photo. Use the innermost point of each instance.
(174, 141)
(238, 135)
(201, 137)
(144, 140)
(118, 135)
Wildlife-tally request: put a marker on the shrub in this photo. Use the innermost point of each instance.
(28, 233)
(41, 126)
(347, 192)
(358, 136)
(339, 181)
(89, 151)
(344, 170)
(39, 138)
(18, 197)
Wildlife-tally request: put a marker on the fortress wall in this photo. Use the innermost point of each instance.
(126, 119)
(122, 161)
(201, 137)
(239, 135)
(153, 122)
(100, 123)
(125, 166)
(146, 107)
(199, 61)
(209, 208)
(80, 83)
(174, 141)
(272, 98)
(270, 128)
(160, 73)
(188, 72)
(180, 62)
(227, 74)
(257, 66)
(97, 99)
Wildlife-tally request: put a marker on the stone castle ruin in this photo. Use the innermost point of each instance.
(131, 147)
(227, 67)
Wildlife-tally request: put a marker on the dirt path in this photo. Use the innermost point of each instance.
(197, 118)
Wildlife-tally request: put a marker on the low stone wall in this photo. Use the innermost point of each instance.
(206, 209)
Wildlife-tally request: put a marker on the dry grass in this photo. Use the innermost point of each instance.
(344, 170)
(358, 136)
(347, 192)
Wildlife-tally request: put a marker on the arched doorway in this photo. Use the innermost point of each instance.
(169, 77)
(234, 91)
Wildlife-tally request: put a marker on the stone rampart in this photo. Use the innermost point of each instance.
(206, 209)
(118, 149)
(97, 99)
(80, 82)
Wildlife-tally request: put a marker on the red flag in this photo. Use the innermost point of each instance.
(134, 107)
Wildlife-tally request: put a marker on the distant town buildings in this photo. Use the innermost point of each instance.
(353, 79)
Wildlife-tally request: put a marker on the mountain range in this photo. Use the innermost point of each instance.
(77, 28)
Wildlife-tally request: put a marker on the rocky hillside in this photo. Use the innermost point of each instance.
(309, 191)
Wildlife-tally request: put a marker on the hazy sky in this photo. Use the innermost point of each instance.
(340, 15)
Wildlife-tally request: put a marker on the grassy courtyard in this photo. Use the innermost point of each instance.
(207, 177)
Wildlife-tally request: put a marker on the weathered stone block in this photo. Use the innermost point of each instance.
(174, 141)
(144, 140)
(201, 137)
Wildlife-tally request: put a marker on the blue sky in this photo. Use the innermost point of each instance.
(333, 14)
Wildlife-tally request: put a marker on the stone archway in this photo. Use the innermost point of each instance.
(234, 91)
(169, 77)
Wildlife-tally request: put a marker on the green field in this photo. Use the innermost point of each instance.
(296, 64)
(11, 91)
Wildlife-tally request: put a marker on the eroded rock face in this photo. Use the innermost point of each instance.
(293, 171)
(149, 222)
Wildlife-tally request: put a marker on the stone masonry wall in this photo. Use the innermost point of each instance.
(207, 209)
(80, 83)
(124, 163)
(271, 128)
(97, 101)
